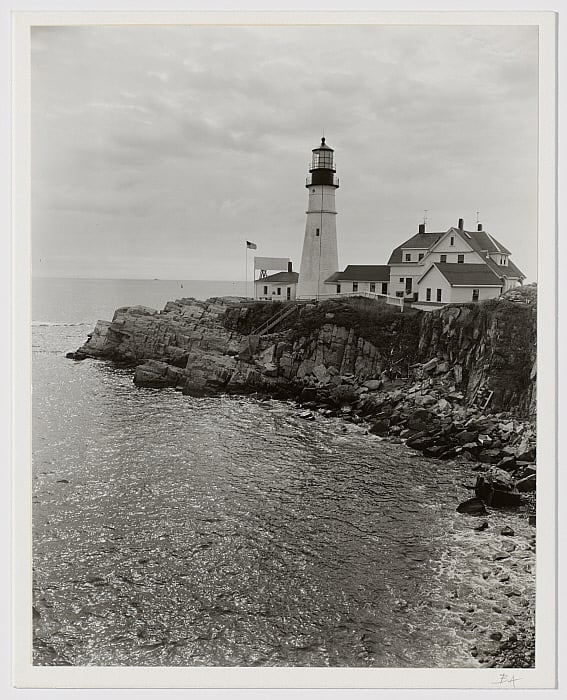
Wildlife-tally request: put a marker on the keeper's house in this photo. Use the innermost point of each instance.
(359, 278)
(433, 269)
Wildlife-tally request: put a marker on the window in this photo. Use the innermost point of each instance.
(408, 257)
(460, 258)
(265, 290)
(399, 294)
(475, 293)
(438, 295)
(409, 283)
(442, 258)
(372, 286)
(384, 288)
(355, 286)
(338, 288)
(420, 256)
(452, 240)
(317, 231)
(402, 280)
(428, 294)
(288, 293)
(279, 291)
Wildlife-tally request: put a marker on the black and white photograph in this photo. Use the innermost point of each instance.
(285, 324)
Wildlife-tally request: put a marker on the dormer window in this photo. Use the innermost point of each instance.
(452, 242)
(408, 257)
(442, 258)
(420, 256)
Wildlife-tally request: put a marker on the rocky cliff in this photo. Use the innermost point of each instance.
(340, 349)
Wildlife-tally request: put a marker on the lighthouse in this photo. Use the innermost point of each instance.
(319, 259)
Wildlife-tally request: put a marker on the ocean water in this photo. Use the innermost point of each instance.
(171, 530)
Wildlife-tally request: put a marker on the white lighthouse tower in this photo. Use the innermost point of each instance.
(319, 259)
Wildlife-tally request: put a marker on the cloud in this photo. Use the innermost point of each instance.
(178, 137)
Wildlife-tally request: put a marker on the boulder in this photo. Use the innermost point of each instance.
(425, 400)
(420, 443)
(483, 526)
(373, 384)
(489, 456)
(380, 427)
(473, 506)
(466, 436)
(419, 420)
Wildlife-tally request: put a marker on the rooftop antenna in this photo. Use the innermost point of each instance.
(478, 217)
(425, 216)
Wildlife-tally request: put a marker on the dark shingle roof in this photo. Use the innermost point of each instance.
(509, 270)
(289, 277)
(420, 240)
(362, 273)
(468, 274)
(480, 241)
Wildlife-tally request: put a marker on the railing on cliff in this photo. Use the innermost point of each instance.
(275, 320)
(393, 301)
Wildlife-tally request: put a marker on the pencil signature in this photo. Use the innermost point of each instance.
(506, 679)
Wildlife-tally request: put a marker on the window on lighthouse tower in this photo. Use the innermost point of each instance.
(317, 232)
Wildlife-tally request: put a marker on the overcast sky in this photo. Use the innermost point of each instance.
(157, 151)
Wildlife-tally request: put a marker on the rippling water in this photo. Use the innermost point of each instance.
(228, 531)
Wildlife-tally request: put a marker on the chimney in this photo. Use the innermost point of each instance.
(461, 224)
(290, 266)
(479, 227)
(422, 228)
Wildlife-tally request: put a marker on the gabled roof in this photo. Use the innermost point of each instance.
(466, 274)
(480, 241)
(509, 270)
(289, 277)
(423, 241)
(361, 273)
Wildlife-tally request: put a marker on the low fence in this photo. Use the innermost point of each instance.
(387, 298)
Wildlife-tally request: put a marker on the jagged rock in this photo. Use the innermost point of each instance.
(508, 463)
(483, 526)
(527, 484)
(497, 488)
(527, 456)
(507, 531)
(431, 365)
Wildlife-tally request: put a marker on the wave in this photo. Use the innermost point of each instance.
(58, 323)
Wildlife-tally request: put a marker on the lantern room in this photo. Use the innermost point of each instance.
(322, 166)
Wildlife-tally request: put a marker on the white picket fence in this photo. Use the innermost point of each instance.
(393, 301)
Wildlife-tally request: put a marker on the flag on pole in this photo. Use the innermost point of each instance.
(250, 245)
